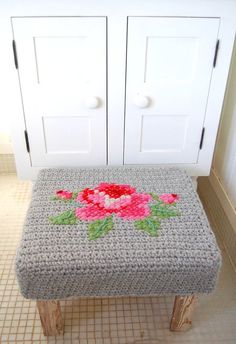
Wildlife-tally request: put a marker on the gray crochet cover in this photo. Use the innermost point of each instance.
(57, 261)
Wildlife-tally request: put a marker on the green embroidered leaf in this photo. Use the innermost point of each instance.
(66, 218)
(149, 225)
(163, 211)
(100, 227)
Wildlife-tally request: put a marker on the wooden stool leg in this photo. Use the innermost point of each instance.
(50, 316)
(182, 313)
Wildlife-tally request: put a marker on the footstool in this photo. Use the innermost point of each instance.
(115, 231)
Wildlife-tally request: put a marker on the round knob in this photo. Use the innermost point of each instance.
(142, 101)
(92, 102)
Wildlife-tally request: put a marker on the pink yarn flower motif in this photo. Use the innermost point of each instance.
(109, 198)
(169, 198)
(100, 203)
(63, 194)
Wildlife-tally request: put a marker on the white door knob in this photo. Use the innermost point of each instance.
(92, 102)
(142, 101)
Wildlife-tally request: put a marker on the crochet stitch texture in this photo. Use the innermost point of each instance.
(58, 261)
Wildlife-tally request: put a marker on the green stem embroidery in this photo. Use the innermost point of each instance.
(155, 197)
(163, 211)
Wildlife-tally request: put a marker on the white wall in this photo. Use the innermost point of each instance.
(224, 164)
(5, 133)
(5, 84)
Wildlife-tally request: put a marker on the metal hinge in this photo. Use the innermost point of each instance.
(216, 53)
(202, 138)
(15, 53)
(27, 142)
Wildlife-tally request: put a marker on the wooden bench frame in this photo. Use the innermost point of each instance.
(52, 323)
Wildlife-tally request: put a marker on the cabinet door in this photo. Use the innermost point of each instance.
(62, 71)
(169, 68)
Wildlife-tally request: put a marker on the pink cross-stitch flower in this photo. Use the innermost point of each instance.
(109, 198)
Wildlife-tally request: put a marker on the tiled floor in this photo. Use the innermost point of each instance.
(102, 321)
(7, 163)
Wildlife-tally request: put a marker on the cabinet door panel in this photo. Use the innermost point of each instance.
(169, 68)
(62, 64)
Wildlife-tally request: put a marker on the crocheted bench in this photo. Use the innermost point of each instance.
(115, 232)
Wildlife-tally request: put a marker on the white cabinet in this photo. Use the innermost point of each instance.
(62, 72)
(120, 84)
(169, 68)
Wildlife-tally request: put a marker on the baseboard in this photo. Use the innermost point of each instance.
(223, 198)
(218, 208)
